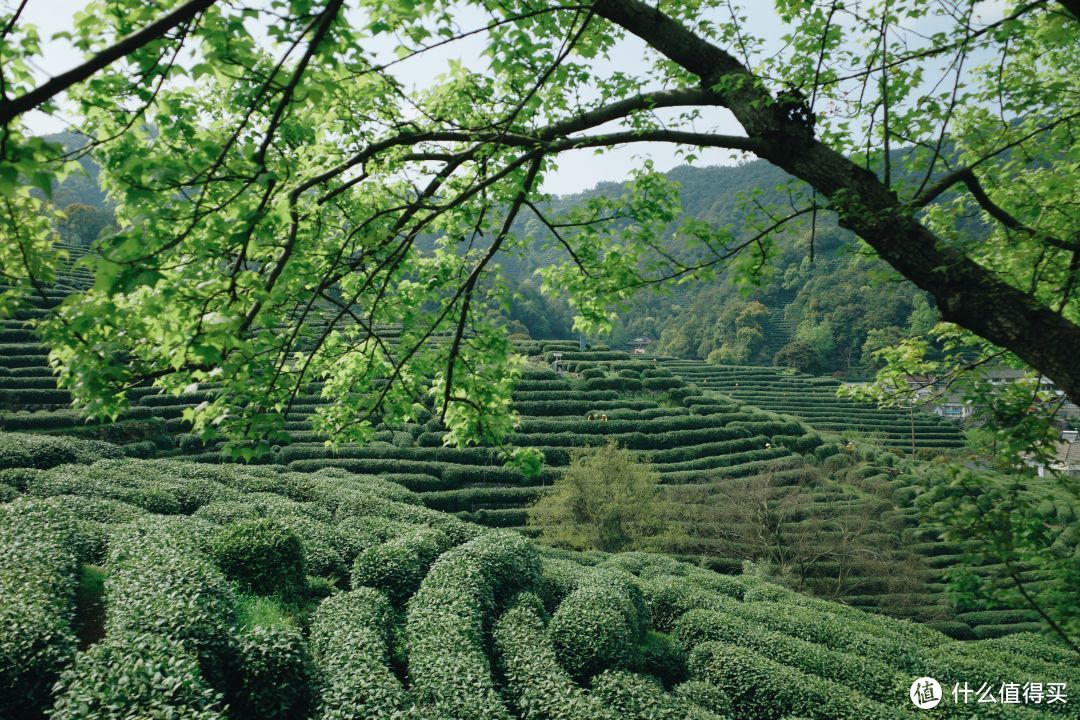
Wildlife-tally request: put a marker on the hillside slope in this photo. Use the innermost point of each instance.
(713, 434)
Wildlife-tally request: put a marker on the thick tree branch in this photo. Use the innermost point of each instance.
(10, 109)
(967, 177)
(966, 293)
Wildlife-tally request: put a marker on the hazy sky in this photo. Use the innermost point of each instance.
(578, 170)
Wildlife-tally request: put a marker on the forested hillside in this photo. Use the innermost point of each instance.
(821, 307)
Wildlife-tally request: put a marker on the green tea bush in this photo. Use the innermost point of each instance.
(661, 384)
(599, 625)
(161, 582)
(663, 657)
(39, 574)
(871, 676)
(574, 406)
(984, 632)
(558, 578)
(321, 545)
(350, 635)
(263, 556)
(417, 482)
(18, 450)
(733, 587)
(143, 676)
(154, 486)
(705, 695)
(997, 617)
(271, 674)
(954, 629)
(1028, 645)
(19, 478)
(831, 632)
(638, 697)
(447, 619)
(538, 687)
(621, 384)
(354, 534)
(361, 503)
(397, 566)
(7, 493)
(762, 688)
(470, 498)
(669, 598)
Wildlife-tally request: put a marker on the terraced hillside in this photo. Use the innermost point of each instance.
(813, 399)
(716, 456)
(187, 590)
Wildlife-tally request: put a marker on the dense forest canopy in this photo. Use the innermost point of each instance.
(277, 188)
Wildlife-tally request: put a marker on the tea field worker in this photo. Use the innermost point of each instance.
(603, 418)
(849, 446)
(768, 446)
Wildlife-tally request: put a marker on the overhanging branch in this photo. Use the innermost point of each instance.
(10, 109)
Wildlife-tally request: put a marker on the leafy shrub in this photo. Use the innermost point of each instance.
(871, 676)
(621, 384)
(661, 384)
(417, 482)
(320, 545)
(606, 500)
(469, 498)
(271, 674)
(598, 626)
(832, 632)
(39, 573)
(447, 618)
(349, 640)
(669, 598)
(136, 676)
(663, 657)
(762, 688)
(358, 533)
(983, 632)
(997, 617)
(7, 493)
(160, 582)
(19, 450)
(954, 629)
(156, 486)
(705, 695)
(637, 697)
(360, 503)
(18, 478)
(263, 556)
(538, 687)
(397, 566)
(559, 578)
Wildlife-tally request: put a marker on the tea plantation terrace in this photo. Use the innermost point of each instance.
(814, 400)
(705, 444)
(180, 589)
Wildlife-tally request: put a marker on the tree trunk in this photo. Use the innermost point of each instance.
(966, 293)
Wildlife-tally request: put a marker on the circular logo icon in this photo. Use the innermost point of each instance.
(925, 693)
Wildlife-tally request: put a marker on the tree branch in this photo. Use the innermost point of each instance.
(10, 109)
(967, 294)
(967, 177)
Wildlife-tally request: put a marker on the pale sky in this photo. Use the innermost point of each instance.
(577, 171)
